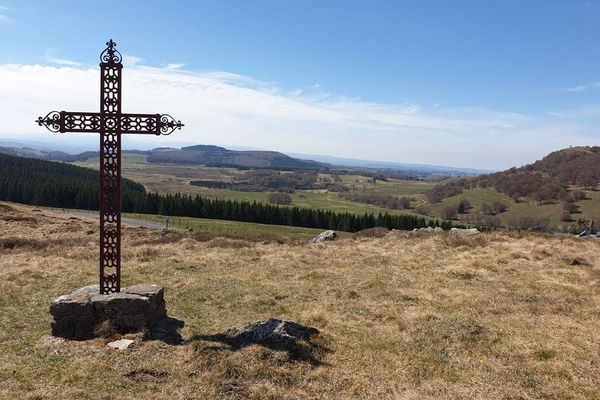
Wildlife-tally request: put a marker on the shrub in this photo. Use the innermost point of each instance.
(449, 212)
(463, 206)
(499, 207)
(565, 216)
(423, 209)
(279, 198)
(531, 223)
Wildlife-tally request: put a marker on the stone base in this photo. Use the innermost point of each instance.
(84, 313)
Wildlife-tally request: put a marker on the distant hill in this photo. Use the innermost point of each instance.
(410, 169)
(245, 158)
(216, 156)
(48, 155)
(213, 156)
(552, 178)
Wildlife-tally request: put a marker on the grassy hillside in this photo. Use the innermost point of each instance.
(409, 316)
(560, 189)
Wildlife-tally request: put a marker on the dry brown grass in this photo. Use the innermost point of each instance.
(405, 316)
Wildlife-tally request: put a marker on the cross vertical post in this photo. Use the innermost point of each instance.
(111, 123)
(110, 170)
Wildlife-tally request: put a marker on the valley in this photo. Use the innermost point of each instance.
(557, 193)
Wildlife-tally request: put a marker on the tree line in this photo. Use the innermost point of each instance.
(40, 182)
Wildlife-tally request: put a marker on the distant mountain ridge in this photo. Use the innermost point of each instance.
(394, 166)
(213, 156)
(244, 158)
(216, 156)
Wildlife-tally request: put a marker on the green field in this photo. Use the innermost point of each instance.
(588, 209)
(215, 227)
(232, 228)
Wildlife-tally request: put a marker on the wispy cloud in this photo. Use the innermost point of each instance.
(175, 66)
(131, 61)
(50, 58)
(236, 110)
(581, 88)
(4, 11)
(578, 113)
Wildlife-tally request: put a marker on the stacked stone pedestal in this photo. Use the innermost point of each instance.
(83, 313)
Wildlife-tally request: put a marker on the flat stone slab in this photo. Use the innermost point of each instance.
(121, 344)
(84, 313)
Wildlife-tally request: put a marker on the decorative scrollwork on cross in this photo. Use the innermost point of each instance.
(111, 55)
(168, 124)
(52, 121)
(82, 122)
(140, 123)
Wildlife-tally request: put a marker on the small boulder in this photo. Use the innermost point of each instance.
(300, 342)
(464, 232)
(271, 332)
(327, 235)
(121, 344)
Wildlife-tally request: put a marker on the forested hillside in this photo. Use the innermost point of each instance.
(549, 179)
(33, 181)
(39, 182)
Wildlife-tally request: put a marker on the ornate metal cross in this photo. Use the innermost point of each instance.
(110, 122)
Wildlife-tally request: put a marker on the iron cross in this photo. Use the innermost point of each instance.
(111, 123)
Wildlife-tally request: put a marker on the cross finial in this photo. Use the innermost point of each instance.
(110, 55)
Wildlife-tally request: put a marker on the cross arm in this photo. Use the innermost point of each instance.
(151, 124)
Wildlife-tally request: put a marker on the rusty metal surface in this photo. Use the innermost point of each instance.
(111, 123)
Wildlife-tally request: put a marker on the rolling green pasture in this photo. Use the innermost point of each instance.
(217, 227)
(232, 228)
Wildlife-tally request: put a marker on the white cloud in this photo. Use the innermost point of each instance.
(131, 61)
(50, 58)
(581, 88)
(175, 66)
(236, 110)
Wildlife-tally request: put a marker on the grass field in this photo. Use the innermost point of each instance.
(407, 316)
(589, 208)
(214, 226)
(233, 228)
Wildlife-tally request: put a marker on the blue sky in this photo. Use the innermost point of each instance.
(486, 84)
